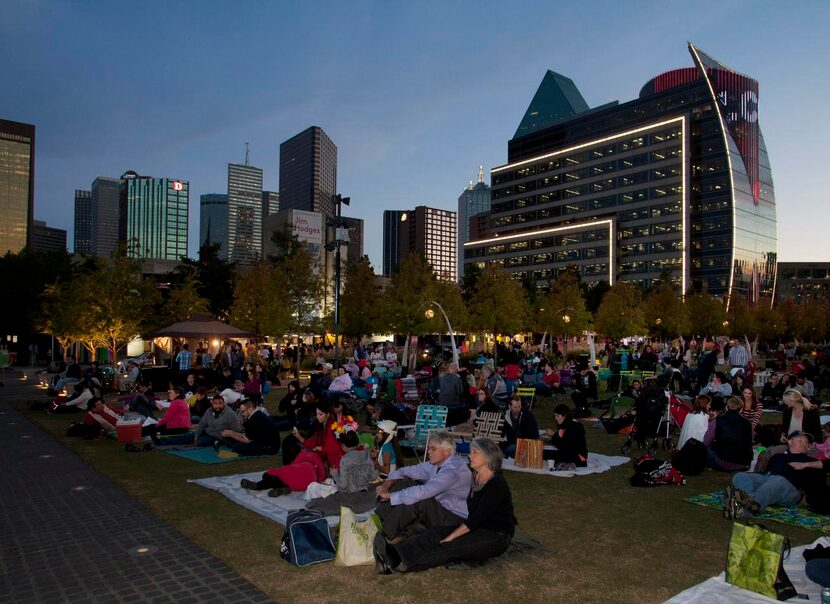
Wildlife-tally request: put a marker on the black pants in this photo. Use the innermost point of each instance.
(154, 429)
(252, 448)
(68, 409)
(430, 513)
(425, 550)
(268, 482)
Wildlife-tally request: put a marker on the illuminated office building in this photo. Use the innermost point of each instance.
(675, 184)
(153, 217)
(244, 214)
(17, 184)
(83, 222)
(432, 233)
(474, 200)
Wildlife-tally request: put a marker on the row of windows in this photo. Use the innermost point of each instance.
(570, 255)
(650, 247)
(599, 152)
(602, 169)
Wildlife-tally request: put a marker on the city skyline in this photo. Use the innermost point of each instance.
(412, 107)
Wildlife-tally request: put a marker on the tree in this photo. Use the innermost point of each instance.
(665, 313)
(771, 326)
(620, 314)
(256, 306)
(564, 311)
(408, 295)
(301, 292)
(594, 293)
(448, 295)
(706, 314)
(213, 276)
(359, 312)
(740, 319)
(498, 304)
(286, 244)
(184, 301)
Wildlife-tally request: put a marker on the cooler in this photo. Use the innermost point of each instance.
(128, 430)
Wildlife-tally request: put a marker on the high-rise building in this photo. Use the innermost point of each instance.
(391, 241)
(105, 215)
(270, 205)
(83, 222)
(244, 214)
(213, 222)
(673, 185)
(308, 172)
(474, 200)
(17, 184)
(154, 217)
(46, 238)
(803, 281)
(431, 232)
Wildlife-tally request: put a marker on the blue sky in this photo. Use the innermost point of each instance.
(415, 94)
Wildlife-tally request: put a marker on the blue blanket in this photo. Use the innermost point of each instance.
(208, 455)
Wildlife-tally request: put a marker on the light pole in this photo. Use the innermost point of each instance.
(430, 313)
(341, 237)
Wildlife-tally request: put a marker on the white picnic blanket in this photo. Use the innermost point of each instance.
(597, 464)
(716, 590)
(273, 508)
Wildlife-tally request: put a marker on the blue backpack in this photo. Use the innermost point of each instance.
(307, 538)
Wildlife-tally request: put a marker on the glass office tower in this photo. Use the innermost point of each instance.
(83, 222)
(244, 214)
(154, 217)
(213, 222)
(673, 185)
(17, 184)
(308, 172)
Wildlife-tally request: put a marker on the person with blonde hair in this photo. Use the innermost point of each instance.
(800, 415)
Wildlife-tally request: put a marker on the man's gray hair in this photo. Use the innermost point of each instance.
(490, 450)
(443, 439)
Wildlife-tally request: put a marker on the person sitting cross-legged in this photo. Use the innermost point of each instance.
(788, 476)
(216, 419)
(486, 532)
(260, 435)
(433, 493)
(518, 423)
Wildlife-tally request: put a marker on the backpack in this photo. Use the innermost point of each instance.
(307, 539)
(691, 460)
(651, 472)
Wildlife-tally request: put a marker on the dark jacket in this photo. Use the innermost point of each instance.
(524, 427)
(450, 389)
(733, 438)
(572, 439)
(260, 429)
(810, 423)
(586, 384)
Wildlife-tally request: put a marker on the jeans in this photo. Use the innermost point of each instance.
(65, 382)
(204, 440)
(425, 550)
(767, 489)
(818, 571)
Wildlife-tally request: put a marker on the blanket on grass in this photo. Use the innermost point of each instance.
(716, 590)
(797, 515)
(207, 454)
(522, 548)
(273, 508)
(597, 463)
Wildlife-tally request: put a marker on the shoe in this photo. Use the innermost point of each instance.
(279, 491)
(747, 502)
(381, 565)
(216, 445)
(731, 507)
(251, 485)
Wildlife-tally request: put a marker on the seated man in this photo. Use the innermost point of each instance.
(718, 389)
(70, 376)
(731, 448)
(142, 402)
(518, 423)
(260, 436)
(439, 496)
(773, 392)
(788, 475)
(548, 383)
(124, 381)
(217, 419)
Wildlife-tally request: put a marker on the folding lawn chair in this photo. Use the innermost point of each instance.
(527, 394)
(429, 418)
(488, 424)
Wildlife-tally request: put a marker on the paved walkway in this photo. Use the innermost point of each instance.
(70, 534)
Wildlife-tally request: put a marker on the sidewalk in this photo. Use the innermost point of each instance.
(71, 534)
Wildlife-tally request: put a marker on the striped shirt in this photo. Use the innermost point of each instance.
(738, 356)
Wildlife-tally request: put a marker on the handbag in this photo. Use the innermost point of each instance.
(307, 539)
(528, 453)
(756, 561)
(354, 543)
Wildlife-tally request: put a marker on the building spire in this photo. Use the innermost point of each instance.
(480, 174)
(247, 154)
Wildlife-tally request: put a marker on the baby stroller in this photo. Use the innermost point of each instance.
(649, 412)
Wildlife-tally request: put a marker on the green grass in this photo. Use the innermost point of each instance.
(608, 541)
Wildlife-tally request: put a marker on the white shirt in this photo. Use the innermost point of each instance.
(694, 426)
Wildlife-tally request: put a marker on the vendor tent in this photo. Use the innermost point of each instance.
(202, 327)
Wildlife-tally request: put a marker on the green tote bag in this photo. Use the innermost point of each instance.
(755, 561)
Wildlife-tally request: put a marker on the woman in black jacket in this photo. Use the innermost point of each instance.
(568, 438)
(800, 415)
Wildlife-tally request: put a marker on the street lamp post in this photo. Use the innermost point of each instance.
(338, 242)
(430, 313)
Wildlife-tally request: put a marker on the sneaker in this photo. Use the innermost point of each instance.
(251, 485)
(746, 502)
(731, 508)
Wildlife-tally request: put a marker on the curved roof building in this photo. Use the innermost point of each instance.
(673, 185)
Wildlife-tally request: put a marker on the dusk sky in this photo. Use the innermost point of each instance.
(415, 95)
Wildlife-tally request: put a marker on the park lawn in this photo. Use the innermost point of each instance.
(607, 541)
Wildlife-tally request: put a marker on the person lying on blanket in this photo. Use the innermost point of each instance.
(485, 533)
(788, 476)
(433, 493)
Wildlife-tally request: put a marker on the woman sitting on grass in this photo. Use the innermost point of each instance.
(176, 419)
(309, 465)
(388, 451)
(356, 471)
(486, 533)
(569, 440)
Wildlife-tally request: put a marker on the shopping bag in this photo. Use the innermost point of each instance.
(354, 544)
(528, 453)
(756, 561)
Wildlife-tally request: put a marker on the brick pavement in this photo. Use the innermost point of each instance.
(70, 534)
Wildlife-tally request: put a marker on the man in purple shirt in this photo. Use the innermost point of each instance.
(433, 493)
